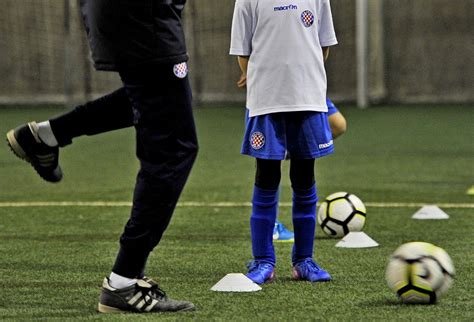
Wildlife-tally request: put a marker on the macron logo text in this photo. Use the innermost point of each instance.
(326, 145)
(284, 8)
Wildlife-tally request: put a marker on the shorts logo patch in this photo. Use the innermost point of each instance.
(257, 140)
(181, 70)
(307, 18)
(326, 145)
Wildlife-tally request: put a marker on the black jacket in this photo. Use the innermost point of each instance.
(126, 34)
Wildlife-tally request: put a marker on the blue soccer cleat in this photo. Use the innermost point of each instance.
(281, 234)
(308, 270)
(260, 272)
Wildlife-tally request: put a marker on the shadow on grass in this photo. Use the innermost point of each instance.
(392, 303)
(323, 237)
(289, 279)
(385, 302)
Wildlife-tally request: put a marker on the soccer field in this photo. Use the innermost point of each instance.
(58, 241)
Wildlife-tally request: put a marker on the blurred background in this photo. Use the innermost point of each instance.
(413, 51)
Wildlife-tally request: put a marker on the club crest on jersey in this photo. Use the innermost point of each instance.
(180, 70)
(257, 140)
(307, 18)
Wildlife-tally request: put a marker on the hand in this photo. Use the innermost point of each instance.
(242, 82)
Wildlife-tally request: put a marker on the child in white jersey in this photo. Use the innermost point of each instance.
(281, 50)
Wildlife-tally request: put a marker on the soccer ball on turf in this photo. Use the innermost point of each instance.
(341, 213)
(419, 272)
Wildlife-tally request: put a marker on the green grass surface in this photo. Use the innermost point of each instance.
(52, 259)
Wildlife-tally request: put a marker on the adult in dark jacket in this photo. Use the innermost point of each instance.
(143, 41)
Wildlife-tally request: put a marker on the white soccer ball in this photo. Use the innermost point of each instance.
(419, 272)
(341, 213)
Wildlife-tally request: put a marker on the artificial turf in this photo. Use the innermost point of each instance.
(53, 258)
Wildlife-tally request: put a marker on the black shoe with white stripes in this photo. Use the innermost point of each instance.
(26, 144)
(143, 297)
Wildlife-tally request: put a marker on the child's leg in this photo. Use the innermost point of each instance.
(304, 208)
(264, 209)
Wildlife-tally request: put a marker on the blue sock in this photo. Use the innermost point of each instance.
(262, 221)
(304, 222)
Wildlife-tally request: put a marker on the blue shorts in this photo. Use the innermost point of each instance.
(303, 135)
(332, 109)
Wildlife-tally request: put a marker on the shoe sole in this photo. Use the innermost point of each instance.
(270, 279)
(316, 281)
(101, 308)
(296, 277)
(284, 240)
(15, 147)
(109, 309)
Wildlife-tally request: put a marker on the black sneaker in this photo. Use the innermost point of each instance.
(143, 297)
(26, 144)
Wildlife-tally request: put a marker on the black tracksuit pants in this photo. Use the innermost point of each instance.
(158, 104)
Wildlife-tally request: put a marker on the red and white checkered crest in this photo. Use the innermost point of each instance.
(181, 70)
(307, 18)
(257, 140)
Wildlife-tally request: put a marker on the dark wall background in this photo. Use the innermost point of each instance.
(420, 51)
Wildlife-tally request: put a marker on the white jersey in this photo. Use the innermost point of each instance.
(284, 39)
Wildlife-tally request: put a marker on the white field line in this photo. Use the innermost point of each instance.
(6, 204)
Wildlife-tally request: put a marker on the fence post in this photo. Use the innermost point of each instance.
(377, 68)
(68, 54)
(362, 40)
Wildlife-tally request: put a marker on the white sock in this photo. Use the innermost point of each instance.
(46, 134)
(118, 281)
